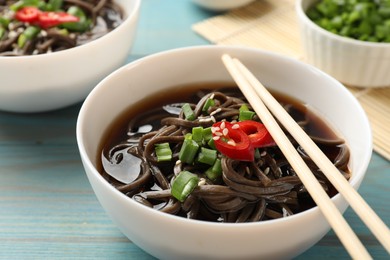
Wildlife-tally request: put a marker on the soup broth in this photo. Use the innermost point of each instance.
(244, 191)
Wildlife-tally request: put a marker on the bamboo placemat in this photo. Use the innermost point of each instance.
(273, 25)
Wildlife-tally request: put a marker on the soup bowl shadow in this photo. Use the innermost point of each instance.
(170, 237)
(37, 83)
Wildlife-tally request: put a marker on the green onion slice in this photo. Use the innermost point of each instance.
(188, 112)
(211, 144)
(2, 32)
(207, 134)
(197, 134)
(4, 22)
(207, 156)
(29, 33)
(214, 171)
(188, 151)
(163, 152)
(183, 185)
(209, 103)
(245, 113)
(56, 4)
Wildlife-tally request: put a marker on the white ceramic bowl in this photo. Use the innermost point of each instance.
(171, 237)
(50, 81)
(353, 62)
(221, 5)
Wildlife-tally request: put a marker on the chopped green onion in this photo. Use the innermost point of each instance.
(184, 183)
(2, 32)
(22, 39)
(214, 171)
(55, 5)
(197, 134)
(209, 103)
(207, 134)
(257, 153)
(76, 11)
(4, 22)
(29, 33)
(32, 2)
(82, 25)
(42, 5)
(188, 151)
(163, 152)
(63, 32)
(16, 6)
(188, 112)
(245, 113)
(243, 107)
(22, 3)
(384, 11)
(355, 19)
(211, 144)
(207, 156)
(381, 31)
(201, 135)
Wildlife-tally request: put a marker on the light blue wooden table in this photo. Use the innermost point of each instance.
(47, 207)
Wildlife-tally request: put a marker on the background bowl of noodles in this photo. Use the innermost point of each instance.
(171, 237)
(35, 83)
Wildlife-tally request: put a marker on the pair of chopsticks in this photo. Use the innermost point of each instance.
(259, 98)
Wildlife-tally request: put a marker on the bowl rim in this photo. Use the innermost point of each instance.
(169, 217)
(127, 21)
(303, 16)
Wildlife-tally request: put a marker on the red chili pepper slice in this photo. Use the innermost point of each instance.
(239, 140)
(50, 19)
(28, 14)
(33, 15)
(231, 142)
(257, 133)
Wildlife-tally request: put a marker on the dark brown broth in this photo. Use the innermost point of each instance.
(118, 129)
(123, 163)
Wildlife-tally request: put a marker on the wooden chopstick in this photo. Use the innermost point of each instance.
(259, 97)
(357, 203)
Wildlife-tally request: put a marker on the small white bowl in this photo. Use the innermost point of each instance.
(221, 5)
(45, 82)
(170, 237)
(353, 62)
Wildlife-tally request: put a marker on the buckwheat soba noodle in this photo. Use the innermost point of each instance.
(203, 154)
(29, 27)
